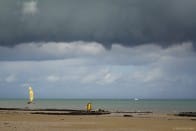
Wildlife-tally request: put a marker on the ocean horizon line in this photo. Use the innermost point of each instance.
(100, 98)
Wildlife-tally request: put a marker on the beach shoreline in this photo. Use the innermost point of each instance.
(124, 121)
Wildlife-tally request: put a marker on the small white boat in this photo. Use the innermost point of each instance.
(136, 99)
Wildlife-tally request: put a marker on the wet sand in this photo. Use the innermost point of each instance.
(24, 120)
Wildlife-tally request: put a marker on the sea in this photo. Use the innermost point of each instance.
(113, 105)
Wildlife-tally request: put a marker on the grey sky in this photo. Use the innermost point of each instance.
(98, 48)
(129, 22)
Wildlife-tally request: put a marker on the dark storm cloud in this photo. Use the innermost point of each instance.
(129, 22)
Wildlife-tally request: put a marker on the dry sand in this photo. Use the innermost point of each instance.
(25, 121)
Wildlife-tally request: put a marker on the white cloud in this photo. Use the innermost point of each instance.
(10, 78)
(141, 71)
(51, 50)
(25, 85)
(30, 7)
(53, 78)
(101, 77)
(150, 75)
(183, 50)
(110, 78)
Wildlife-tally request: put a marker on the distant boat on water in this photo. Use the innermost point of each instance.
(136, 99)
(31, 95)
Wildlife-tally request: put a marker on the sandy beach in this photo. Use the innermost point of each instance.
(25, 120)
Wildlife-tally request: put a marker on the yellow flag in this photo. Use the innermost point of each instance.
(31, 95)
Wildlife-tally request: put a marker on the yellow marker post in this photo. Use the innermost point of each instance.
(89, 107)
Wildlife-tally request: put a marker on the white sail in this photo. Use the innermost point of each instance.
(31, 95)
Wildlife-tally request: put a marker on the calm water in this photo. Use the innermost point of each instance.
(165, 106)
